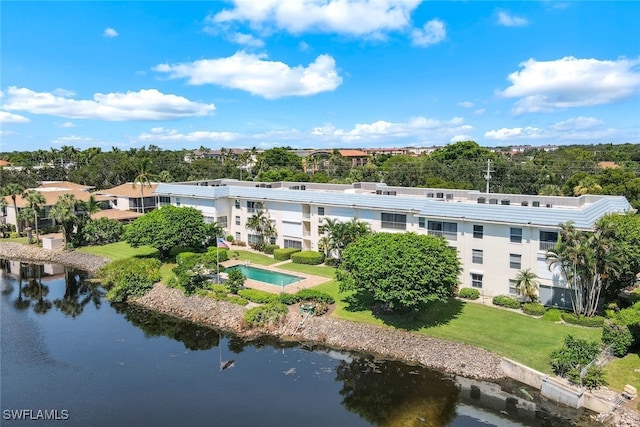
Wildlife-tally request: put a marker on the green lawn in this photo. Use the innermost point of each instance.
(166, 272)
(254, 258)
(119, 250)
(317, 270)
(623, 371)
(524, 339)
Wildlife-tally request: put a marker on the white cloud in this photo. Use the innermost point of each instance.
(466, 104)
(458, 138)
(254, 74)
(545, 86)
(350, 17)
(509, 20)
(479, 111)
(246, 40)
(160, 134)
(110, 33)
(578, 129)
(146, 104)
(433, 32)
(63, 92)
(67, 125)
(6, 117)
(303, 46)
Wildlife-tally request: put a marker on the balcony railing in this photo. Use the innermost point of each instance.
(545, 246)
(449, 235)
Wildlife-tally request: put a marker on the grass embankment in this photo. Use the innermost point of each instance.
(316, 270)
(119, 250)
(624, 371)
(521, 338)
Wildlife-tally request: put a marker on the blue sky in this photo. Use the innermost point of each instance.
(325, 73)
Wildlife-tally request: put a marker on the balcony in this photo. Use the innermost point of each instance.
(545, 246)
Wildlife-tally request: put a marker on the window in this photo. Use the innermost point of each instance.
(515, 261)
(272, 240)
(164, 200)
(320, 211)
(394, 221)
(422, 223)
(177, 201)
(237, 220)
(222, 221)
(238, 236)
(253, 239)
(251, 206)
(478, 231)
(237, 204)
(448, 230)
(548, 240)
(512, 287)
(476, 280)
(516, 235)
(476, 256)
(292, 244)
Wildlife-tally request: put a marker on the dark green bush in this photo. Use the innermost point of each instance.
(185, 257)
(235, 280)
(552, 315)
(288, 299)
(284, 254)
(618, 337)
(313, 295)
(469, 293)
(533, 309)
(308, 257)
(268, 314)
(173, 252)
(230, 238)
(257, 296)
(268, 249)
(102, 231)
(575, 354)
(220, 254)
(506, 301)
(592, 322)
(129, 277)
(331, 262)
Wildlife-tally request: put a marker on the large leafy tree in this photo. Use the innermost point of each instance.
(168, 227)
(402, 270)
(624, 232)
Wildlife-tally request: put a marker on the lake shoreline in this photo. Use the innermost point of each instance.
(411, 348)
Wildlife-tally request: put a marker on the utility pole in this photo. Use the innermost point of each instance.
(487, 175)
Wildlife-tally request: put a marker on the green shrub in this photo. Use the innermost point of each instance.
(308, 257)
(631, 317)
(313, 295)
(230, 238)
(591, 322)
(173, 252)
(575, 354)
(618, 337)
(594, 378)
(533, 309)
(469, 293)
(268, 314)
(506, 301)
(235, 281)
(235, 299)
(288, 299)
(284, 254)
(219, 254)
(268, 249)
(257, 296)
(185, 257)
(102, 231)
(634, 297)
(552, 315)
(129, 277)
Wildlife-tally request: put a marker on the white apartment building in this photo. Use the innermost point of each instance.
(495, 235)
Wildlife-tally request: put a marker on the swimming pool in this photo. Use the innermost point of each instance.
(267, 276)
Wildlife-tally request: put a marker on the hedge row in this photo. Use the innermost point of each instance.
(307, 257)
(469, 293)
(593, 322)
(284, 254)
(506, 301)
(268, 249)
(533, 308)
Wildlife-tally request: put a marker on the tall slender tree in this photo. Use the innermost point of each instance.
(14, 190)
(35, 200)
(143, 178)
(527, 284)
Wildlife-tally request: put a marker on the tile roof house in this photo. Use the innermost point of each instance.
(127, 197)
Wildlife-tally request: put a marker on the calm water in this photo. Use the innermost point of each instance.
(262, 275)
(65, 348)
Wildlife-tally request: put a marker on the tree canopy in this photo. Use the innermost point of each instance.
(169, 227)
(402, 270)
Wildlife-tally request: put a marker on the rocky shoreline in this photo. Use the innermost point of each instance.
(451, 357)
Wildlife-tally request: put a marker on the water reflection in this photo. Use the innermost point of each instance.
(393, 394)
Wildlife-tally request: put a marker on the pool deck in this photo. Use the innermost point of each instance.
(308, 281)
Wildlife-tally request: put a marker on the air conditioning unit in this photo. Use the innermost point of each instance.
(440, 195)
(378, 191)
(449, 196)
(430, 195)
(549, 205)
(482, 200)
(535, 204)
(493, 201)
(505, 202)
(525, 203)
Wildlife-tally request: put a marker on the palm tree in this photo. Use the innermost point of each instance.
(92, 205)
(527, 284)
(35, 200)
(12, 189)
(143, 178)
(550, 190)
(588, 185)
(165, 176)
(340, 234)
(261, 224)
(65, 212)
